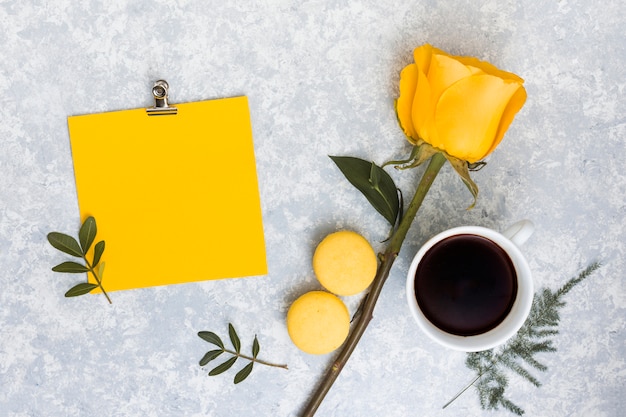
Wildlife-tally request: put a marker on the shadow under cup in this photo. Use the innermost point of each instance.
(469, 288)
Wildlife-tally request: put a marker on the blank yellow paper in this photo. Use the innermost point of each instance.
(175, 197)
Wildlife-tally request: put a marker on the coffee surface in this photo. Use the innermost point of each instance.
(465, 285)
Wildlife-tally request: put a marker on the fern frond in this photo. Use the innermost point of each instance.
(510, 406)
(532, 339)
(530, 360)
(538, 333)
(480, 361)
(521, 371)
(581, 277)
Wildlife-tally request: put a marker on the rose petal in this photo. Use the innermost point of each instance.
(468, 115)
(443, 72)
(515, 104)
(422, 56)
(488, 68)
(423, 111)
(408, 83)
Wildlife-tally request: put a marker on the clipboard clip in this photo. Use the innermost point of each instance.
(160, 92)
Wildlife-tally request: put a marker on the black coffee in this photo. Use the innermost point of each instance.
(465, 285)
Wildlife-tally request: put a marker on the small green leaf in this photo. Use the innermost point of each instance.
(374, 182)
(212, 338)
(424, 152)
(70, 267)
(234, 338)
(223, 367)
(255, 347)
(243, 374)
(101, 270)
(461, 168)
(210, 355)
(66, 244)
(80, 289)
(409, 160)
(98, 250)
(87, 233)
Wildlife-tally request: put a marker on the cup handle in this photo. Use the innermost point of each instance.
(519, 232)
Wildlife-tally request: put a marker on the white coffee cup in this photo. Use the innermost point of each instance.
(509, 241)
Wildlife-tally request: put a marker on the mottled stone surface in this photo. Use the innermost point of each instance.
(321, 77)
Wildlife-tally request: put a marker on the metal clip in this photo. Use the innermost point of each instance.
(161, 107)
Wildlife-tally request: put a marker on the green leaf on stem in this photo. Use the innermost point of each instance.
(234, 338)
(80, 289)
(71, 268)
(374, 182)
(212, 338)
(66, 244)
(78, 248)
(98, 250)
(210, 355)
(223, 367)
(255, 347)
(243, 374)
(87, 233)
(236, 354)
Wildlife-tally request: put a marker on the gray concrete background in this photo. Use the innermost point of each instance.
(321, 77)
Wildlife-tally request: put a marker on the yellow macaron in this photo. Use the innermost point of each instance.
(318, 322)
(345, 263)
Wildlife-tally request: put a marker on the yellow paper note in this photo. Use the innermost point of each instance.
(175, 197)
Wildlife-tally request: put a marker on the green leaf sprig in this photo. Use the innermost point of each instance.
(67, 244)
(533, 338)
(236, 354)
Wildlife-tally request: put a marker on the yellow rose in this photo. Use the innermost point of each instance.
(459, 105)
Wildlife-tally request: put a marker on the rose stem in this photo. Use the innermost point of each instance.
(391, 253)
